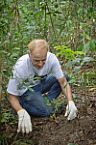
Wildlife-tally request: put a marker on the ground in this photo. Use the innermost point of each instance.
(57, 130)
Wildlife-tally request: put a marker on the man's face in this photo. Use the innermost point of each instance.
(38, 57)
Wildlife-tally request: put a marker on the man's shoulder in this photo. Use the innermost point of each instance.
(23, 57)
(50, 54)
(51, 57)
(22, 61)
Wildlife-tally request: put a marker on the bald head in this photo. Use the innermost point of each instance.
(38, 44)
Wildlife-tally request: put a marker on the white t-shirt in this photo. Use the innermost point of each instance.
(24, 72)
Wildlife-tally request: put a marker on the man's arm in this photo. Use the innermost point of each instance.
(71, 110)
(66, 89)
(14, 102)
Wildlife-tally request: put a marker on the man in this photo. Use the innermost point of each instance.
(35, 74)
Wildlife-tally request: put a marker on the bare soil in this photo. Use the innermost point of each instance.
(57, 130)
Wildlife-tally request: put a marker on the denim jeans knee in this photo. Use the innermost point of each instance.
(35, 105)
(33, 101)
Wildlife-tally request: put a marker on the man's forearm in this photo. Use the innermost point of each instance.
(66, 89)
(14, 102)
(68, 92)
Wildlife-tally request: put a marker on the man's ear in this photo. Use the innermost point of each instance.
(29, 53)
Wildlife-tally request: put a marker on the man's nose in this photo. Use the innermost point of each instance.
(41, 63)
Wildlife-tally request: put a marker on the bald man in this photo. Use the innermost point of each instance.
(35, 74)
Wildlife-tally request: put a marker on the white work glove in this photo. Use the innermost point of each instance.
(24, 122)
(71, 110)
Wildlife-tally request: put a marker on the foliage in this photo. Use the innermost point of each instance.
(57, 104)
(89, 48)
(78, 63)
(64, 23)
(3, 140)
(88, 78)
(7, 116)
(23, 142)
(83, 69)
(66, 53)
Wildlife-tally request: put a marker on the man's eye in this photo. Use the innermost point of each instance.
(37, 60)
(43, 60)
(40, 60)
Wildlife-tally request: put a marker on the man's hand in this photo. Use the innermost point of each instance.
(24, 122)
(71, 110)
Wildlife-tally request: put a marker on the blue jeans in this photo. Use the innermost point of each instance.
(34, 102)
